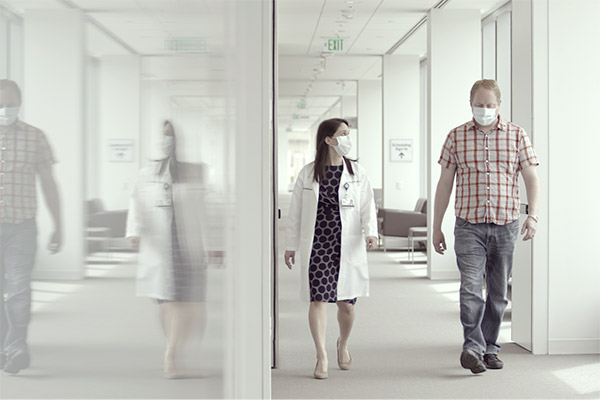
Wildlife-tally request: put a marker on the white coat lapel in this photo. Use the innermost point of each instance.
(343, 181)
(315, 185)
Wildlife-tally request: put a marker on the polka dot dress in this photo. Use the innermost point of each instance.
(324, 266)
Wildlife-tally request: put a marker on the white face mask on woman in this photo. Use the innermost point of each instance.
(8, 115)
(168, 145)
(344, 145)
(484, 116)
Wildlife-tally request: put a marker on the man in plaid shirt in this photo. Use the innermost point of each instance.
(485, 155)
(24, 153)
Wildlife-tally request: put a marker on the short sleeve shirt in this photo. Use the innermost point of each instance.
(24, 152)
(487, 170)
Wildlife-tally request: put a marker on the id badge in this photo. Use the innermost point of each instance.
(347, 203)
(164, 198)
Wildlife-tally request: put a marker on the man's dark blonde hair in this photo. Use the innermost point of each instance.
(7, 84)
(488, 84)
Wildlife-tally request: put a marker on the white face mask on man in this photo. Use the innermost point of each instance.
(8, 115)
(484, 116)
(344, 145)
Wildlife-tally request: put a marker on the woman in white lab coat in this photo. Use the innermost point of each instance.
(164, 222)
(332, 223)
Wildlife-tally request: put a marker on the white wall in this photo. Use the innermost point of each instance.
(573, 103)
(251, 262)
(92, 136)
(529, 318)
(503, 62)
(349, 110)
(370, 129)
(54, 101)
(454, 64)
(424, 136)
(282, 160)
(401, 120)
(119, 119)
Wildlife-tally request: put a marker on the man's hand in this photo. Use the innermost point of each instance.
(55, 243)
(439, 242)
(290, 258)
(529, 228)
(133, 242)
(371, 242)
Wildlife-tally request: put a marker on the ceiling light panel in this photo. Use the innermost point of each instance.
(485, 6)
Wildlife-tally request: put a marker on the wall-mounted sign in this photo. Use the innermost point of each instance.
(120, 150)
(401, 150)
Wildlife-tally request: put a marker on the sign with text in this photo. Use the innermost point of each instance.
(120, 150)
(187, 44)
(401, 150)
(334, 45)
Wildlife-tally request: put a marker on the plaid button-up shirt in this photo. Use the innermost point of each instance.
(24, 151)
(487, 170)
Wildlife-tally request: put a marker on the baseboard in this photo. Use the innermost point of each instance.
(54, 275)
(444, 275)
(574, 346)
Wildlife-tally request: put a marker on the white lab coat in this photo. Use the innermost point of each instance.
(358, 222)
(154, 201)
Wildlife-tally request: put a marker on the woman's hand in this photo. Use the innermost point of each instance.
(290, 258)
(134, 242)
(371, 242)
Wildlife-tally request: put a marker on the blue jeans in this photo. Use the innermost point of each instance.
(18, 243)
(483, 250)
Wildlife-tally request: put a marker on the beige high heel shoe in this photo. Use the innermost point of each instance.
(320, 374)
(341, 364)
(169, 370)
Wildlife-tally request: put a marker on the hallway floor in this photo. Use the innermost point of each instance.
(95, 339)
(406, 343)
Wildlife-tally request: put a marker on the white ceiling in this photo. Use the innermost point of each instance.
(144, 25)
(369, 29)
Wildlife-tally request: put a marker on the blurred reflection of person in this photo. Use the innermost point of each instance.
(164, 224)
(24, 153)
(332, 222)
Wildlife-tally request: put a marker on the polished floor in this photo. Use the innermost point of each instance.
(95, 339)
(406, 344)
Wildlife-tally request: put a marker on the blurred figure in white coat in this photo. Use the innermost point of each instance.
(165, 224)
(332, 224)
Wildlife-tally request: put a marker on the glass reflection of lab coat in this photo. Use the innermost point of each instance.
(154, 202)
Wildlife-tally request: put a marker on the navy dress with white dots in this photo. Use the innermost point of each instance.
(324, 266)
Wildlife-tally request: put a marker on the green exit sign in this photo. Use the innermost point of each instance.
(187, 44)
(335, 44)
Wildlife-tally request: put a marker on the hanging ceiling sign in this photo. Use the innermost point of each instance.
(335, 45)
(187, 44)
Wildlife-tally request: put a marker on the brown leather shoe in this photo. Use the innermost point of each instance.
(471, 360)
(492, 361)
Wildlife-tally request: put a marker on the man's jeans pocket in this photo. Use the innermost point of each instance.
(461, 223)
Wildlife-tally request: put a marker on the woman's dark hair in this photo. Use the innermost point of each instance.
(327, 128)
